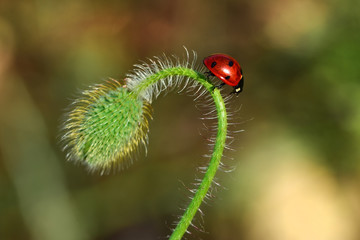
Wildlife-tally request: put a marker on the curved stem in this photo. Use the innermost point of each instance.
(210, 172)
(201, 192)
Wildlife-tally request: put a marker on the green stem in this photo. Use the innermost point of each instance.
(219, 143)
(210, 172)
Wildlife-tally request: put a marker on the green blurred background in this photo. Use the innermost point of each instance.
(297, 163)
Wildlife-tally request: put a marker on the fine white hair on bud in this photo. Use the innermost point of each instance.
(105, 127)
(158, 65)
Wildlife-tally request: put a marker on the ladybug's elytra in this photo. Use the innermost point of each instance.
(227, 69)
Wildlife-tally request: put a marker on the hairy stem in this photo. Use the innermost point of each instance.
(201, 192)
(210, 172)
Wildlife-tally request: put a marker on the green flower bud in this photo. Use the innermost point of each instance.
(106, 126)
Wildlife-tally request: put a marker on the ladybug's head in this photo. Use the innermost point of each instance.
(239, 87)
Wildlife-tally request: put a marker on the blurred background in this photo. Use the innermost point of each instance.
(297, 163)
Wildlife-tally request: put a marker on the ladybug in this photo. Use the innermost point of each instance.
(227, 69)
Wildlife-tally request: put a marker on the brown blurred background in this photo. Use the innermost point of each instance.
(297, 163)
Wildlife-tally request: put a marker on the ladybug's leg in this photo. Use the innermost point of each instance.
(208, 74)
(220, 85)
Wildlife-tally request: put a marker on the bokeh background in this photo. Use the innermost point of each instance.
(296, 164)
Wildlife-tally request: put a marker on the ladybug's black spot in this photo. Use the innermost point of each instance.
(213, 64)
(231, 63)
(227, 77)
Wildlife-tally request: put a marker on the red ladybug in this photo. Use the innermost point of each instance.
(227, 69)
